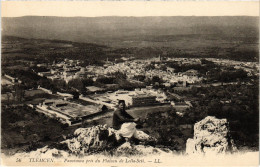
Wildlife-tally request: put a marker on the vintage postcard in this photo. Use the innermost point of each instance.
(129, 83)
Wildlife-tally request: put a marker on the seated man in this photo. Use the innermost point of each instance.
(121, 116)
(126, 124)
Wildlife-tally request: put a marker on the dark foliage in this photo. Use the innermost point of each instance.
(23, 127)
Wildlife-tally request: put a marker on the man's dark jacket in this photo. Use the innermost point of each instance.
(120, 117)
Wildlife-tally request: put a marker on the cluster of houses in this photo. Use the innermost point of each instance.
(72, 113)
(252, 68)
(69, 69)
(65, 70)
(138, 67)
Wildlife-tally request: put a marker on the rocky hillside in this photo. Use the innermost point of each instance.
(97, 140)
(101, 143)
(211, 135)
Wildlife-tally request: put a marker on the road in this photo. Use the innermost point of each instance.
(217, 84)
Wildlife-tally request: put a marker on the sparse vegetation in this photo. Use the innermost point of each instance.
(25, 129)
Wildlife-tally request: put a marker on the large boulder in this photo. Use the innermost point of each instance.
(127, 149)
(96, 138)
(211, 136)
(99, 138)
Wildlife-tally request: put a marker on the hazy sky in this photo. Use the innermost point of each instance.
(137, 8)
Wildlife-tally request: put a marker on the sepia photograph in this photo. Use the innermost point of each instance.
(129, 83)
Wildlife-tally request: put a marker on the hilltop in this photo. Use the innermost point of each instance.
(222, 37)
(114, 29)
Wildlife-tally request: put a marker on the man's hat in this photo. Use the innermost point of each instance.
(121, 101)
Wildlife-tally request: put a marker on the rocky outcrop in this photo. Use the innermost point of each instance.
(99, 140)
(211, 136)
(127, 149)
(96, 138)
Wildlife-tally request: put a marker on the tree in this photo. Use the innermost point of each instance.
(8, 97)
(76, 83)
(61, 84)
(87, 82)
(19, 92)
(83, 91)
(119, 75)
(150, 67)
(44, 82)
(105, 80)
(156, 79)
(139, 77)
(53, 89)
(75, 95)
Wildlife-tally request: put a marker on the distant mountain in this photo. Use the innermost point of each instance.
(112, 30)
